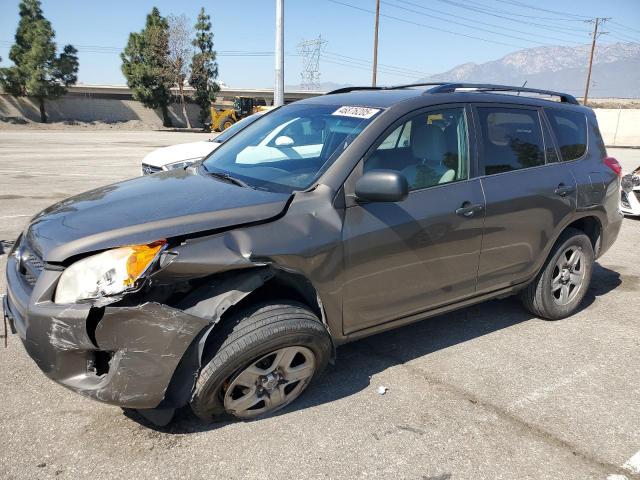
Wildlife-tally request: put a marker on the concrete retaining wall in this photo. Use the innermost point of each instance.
(91, 109)
(619, 127)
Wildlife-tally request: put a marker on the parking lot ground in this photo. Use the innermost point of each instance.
(487, 392)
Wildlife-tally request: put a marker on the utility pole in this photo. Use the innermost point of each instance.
(278, 91)
(596, 22)
(375, 46)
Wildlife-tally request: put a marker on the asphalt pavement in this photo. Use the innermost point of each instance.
(487, 392)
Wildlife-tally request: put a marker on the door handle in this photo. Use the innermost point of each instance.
(563, 190)
(468, 210)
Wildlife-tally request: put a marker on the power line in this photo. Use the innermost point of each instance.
(492, 13)
(430, 27)
(522, 15)
(475, 20)
(525, 5)
(383, 65)
(471, 26)
(367, 68)
(626, 37)
(625, 27)
(366, 64)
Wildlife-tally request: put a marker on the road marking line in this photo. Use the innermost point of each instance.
(548, 389)
(14, 216)
(633, 464)
(616, 477)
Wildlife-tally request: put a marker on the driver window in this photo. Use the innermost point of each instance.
(304, 132)
(430, 149)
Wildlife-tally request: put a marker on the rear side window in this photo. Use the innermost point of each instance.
(512, 139)
(570, 129)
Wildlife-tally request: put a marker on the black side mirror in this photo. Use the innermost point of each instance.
(382, 186)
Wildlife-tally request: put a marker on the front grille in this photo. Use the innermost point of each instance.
(30, 265)
(149, 169)
(637, 193)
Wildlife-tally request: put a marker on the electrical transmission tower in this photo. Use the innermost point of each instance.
(310, 51)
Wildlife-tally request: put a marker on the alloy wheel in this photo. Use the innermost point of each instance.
(568, 275)
(270, 383)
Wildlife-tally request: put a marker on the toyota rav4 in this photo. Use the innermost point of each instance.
(228, 284)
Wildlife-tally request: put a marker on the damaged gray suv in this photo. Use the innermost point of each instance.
(227, 285)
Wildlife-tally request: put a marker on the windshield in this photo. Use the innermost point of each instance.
(236, 127)
(290, 148)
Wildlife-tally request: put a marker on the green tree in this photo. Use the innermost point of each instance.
(204, 68)
(37, 71)
(145, 65)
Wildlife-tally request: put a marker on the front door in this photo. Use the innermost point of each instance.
(407, 257)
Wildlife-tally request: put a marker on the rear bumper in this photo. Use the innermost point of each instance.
(123, 356)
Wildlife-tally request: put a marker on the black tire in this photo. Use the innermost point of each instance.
(538, 297)
(248, 336)
(227, 119)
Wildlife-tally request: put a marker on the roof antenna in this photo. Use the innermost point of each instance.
(523, 85)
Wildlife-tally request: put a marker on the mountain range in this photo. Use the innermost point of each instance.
(616, 70)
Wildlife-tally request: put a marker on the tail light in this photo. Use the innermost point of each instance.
(613, 164)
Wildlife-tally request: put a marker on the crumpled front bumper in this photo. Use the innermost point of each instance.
(123, 356)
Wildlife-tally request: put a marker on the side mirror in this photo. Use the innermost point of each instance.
(382, 186)
(284, 141)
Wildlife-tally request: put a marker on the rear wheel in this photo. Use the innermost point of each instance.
(270, 356)
(561, 285)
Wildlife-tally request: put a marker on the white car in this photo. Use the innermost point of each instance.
(184, 154)
(630, 193)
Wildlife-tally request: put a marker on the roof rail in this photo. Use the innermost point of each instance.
(392, 87)
(352, 89)
(449, 87)
(487, 87)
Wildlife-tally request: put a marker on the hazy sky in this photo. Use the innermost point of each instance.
(417, 37)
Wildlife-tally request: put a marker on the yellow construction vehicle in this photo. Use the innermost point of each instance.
(242, 107)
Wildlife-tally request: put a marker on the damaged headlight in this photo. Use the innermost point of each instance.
(630, 181)
(108, 273)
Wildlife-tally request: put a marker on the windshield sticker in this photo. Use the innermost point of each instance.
(357, 112)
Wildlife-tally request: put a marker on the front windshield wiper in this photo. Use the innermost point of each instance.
(228, 178)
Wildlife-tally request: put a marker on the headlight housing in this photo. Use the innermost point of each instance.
(107, 273)
(180, 164)
(630, 181)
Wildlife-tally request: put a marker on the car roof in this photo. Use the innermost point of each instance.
(425, 95)
(369, 98)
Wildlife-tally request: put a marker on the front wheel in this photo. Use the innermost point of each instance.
(270, 356)
(559, 288)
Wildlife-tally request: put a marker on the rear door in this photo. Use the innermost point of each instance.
(528, 193)
(407, 257)
(571, 130)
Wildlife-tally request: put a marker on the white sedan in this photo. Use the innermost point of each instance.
(183, 154)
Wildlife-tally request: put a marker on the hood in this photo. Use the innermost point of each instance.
(145, 209)
(176, 153)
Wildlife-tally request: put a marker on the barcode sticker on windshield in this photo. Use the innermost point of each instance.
(357, 112)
